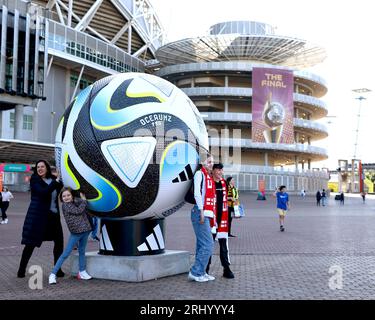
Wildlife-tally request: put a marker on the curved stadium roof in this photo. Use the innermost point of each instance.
(242, 40)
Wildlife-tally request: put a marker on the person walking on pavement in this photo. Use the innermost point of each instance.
(42, 221)
(220, 230)
(324, 197)
(342, 198)
(363, 195)
(6, 195)
(77, 220)
(201, 214)
(282, 205)
(318, 198)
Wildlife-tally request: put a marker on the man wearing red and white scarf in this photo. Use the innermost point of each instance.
(221, 219)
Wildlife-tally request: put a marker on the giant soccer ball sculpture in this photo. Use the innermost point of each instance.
(131, 143)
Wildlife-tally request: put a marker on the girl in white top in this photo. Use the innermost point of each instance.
(6, 196)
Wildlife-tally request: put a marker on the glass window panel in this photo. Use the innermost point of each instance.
(11, 120)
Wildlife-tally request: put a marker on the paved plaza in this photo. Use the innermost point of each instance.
(325, 253)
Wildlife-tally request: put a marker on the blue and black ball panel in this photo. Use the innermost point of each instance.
(90, 191)
(98, 85)
(114, 106)
(121, 100)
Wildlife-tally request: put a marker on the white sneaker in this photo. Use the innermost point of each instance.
(198, 279)
(83, 275)
(52, 279)
(2, 222)
(6, 221)
(209, 277)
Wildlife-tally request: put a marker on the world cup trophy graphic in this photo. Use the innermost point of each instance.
(273, 116)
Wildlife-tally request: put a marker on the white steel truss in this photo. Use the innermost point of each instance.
(138, 16)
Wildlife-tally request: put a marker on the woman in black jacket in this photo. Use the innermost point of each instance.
(42, 222)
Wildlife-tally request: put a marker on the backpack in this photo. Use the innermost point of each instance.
(189, 197)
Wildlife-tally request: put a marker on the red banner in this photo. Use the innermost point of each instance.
(272, 106)
(361, 176)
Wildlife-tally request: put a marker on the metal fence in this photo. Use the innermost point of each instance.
(246, 181)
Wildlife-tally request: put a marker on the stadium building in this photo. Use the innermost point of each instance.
(235, 75)
(52, 49)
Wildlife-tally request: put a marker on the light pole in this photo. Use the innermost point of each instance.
(360, 98)
(360, 175)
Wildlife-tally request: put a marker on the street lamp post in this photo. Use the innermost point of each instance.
(360, 98)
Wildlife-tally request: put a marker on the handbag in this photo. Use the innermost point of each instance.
(242, 210)
(237, 213)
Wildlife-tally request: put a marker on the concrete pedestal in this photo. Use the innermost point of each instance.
(134, 269)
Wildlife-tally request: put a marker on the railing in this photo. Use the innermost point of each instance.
(308, 124)
(237, 168)
(234, 66)
(310, 76)
(227, 116)
(298, 97)
(248, 143)
(218, 91)
(248, 117)
(247, 92)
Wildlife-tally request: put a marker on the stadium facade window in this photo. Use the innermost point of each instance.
(84, 83)
(94, 56)
(9, 60)
(31, 65)
(27, 122)
(11, 120)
